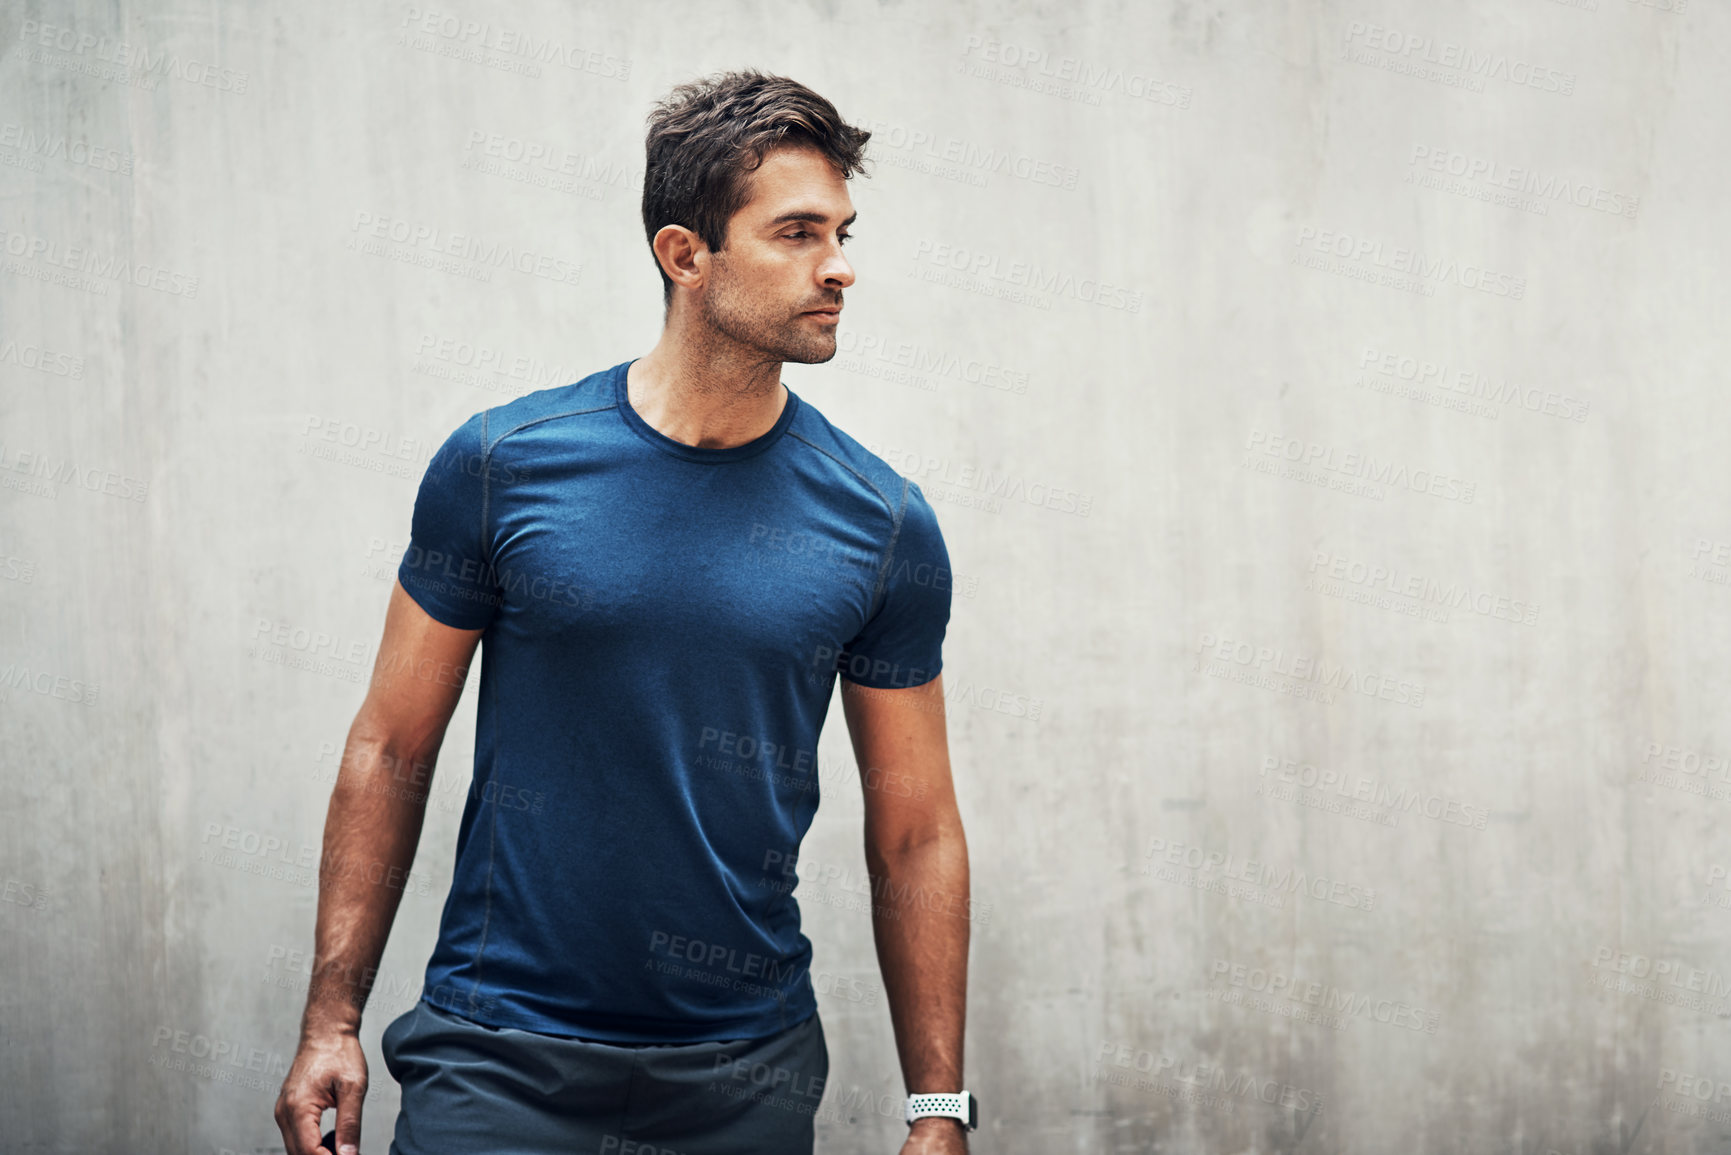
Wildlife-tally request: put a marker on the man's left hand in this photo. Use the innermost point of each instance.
(936, 1136)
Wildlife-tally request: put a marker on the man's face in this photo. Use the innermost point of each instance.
(783, 259)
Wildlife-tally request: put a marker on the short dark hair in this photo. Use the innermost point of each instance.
(708, 136)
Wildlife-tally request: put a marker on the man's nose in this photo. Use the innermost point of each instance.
(836, 270)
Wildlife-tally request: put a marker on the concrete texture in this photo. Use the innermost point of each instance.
(1323, 404)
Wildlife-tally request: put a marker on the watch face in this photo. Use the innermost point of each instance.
(973, 1111)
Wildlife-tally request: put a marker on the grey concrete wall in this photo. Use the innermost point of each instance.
(1324, 404)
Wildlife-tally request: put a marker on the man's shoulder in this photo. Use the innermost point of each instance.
(591, 394)
(865, 462)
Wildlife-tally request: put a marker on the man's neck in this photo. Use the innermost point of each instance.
(711, 399)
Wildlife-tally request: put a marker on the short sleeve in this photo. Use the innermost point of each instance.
(901, 645)
(447, 568)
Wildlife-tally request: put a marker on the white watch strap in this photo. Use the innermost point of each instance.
(950, 1106)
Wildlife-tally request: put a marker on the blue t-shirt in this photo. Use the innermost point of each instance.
(664, 627)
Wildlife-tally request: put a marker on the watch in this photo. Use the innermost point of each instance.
(961, 1106)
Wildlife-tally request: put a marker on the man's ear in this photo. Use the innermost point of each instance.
(683, 256)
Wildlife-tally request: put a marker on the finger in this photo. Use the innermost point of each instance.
(302, 1134)
(349, 1099)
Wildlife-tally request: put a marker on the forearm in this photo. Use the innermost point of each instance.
(372, 828)
(921, 925)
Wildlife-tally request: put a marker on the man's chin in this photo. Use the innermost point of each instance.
(810, 353)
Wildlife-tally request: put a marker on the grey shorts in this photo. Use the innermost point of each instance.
(481, 1090)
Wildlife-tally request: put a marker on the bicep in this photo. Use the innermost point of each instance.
(419, 673)
(902, 745)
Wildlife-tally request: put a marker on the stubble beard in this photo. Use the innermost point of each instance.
(753, 324)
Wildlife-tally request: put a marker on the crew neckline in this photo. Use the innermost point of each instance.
(660, 440)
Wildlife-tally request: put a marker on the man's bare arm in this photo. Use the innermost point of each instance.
(372, 828)
(917, 856)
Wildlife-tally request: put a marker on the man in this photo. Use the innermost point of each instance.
(669, 563)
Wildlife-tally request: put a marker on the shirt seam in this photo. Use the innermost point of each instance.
(897, 516)
(870, 484)
(486, 488)
(487, 448)
(890, 552)
(492, 847)
(692, 453)
(492, 702)
(548, 417)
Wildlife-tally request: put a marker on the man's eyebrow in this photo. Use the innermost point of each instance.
(809, 216)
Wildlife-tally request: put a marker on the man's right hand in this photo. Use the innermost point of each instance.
(371, 829)
(329, 1070)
